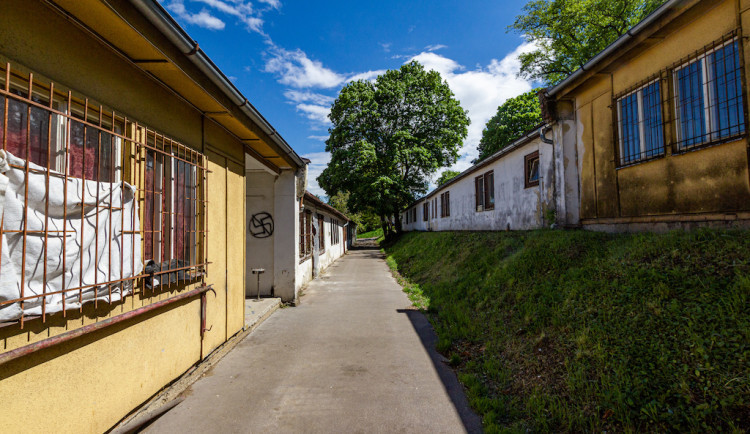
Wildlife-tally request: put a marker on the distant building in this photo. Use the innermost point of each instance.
(322, 237)
(511, 189)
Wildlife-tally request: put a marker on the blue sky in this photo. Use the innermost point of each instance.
(290, 59)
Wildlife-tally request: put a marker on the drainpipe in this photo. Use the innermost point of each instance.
(541, 135)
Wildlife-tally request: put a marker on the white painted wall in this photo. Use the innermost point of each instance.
(516, 207)
(331, 252)
(267, 191)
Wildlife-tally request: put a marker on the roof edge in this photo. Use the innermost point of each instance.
(319, 203)
(165, 23)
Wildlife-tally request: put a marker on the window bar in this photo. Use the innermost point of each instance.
(83, 198)
(5, 137)
(125, 144)
(66, 173)
(26, 198)
(172, 215)
(46, 202)
(97, 179)
(137, 177)
(112, 151)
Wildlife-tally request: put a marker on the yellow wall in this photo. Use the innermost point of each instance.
(710, 180)
(90, 383)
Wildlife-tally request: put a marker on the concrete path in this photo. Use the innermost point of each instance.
(351, 358)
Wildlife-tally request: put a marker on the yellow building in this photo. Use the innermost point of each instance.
(652, 132)
(127, 156)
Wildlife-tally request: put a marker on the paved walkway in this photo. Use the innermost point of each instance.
(350, 358)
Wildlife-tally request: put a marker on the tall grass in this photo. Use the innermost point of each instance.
(583, 331)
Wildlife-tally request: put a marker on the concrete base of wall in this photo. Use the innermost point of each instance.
(255, 313)
(660, 226)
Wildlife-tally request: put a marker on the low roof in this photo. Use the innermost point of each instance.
(311, 198)
(526, 138)
(144, 34)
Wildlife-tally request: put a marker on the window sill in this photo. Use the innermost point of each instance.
(641, 161)
(697, 147)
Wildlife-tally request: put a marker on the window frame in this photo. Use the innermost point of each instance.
(527, 161)
(485, 199)
(711, 134)
(643, 154)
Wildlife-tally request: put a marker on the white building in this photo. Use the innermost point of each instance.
(513, 189)
(322, 237)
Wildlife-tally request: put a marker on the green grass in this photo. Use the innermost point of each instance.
(377, 233)
(583, 331)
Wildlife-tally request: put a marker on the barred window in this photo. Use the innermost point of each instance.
(321, 233)
(92, 198)
(708, 97)
(305, 234)
(640, 128)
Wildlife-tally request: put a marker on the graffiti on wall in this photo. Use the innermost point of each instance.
(261, 225)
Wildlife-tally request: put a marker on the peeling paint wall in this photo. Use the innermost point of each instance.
(516, 207)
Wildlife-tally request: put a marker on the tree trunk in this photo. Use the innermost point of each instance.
(384, 225)
(399, 228)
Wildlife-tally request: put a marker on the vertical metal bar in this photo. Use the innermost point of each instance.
(5, 138)
(46, 200)
(137, 177)
(66, 172)
(26, 197)
(97, 180)
(83, 200)
(122, 196)
(111, 236)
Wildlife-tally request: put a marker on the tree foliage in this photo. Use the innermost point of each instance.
(389, 136)
(513, 118)
(446, 176)
(568, 33)
(365, 220)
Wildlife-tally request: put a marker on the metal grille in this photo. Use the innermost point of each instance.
(696, 102)
(69, 140)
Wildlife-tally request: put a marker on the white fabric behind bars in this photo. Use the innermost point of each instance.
(92, 253)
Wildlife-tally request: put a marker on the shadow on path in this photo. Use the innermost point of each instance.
(426, 333)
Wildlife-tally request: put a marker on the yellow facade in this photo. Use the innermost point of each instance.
(710, 183)
(90, 383)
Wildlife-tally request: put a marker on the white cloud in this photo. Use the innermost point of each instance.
(276, 4)
(201, 19)
(318, 163)
(367, 76)
(435, 47)
(386, 47)
(316, 113)
(295, 69)
(315, 98)
(240, 9)
(480, 90)
(320, 138)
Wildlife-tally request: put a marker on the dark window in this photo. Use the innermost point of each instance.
(321, 233)
(484, 191)
(640, 128)
(479, 192)
(531, 169)
(445, 204)
(425, 211)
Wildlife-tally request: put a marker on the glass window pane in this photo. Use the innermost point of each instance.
(727, 110)
(631, 142)
(652, 125)
(690, 100)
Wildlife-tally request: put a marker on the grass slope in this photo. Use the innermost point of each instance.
(584, 331)
(377, 233)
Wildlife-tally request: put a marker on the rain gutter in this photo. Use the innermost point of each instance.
(160, 18)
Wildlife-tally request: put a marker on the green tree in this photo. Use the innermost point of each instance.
(568, 33)
(389, 136)
(446, 176)
(365, 220)
(513, 118)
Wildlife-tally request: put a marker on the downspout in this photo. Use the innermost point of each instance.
(544, 139)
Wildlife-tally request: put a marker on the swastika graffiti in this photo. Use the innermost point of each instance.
(261, 225)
